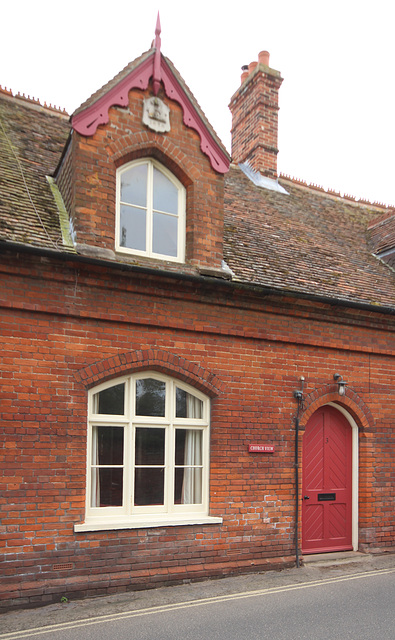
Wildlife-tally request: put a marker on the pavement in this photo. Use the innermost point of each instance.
(314, 568)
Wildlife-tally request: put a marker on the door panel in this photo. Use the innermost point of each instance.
(327, 479)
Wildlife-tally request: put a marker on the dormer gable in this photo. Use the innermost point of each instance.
(139, 75)
(146, 117)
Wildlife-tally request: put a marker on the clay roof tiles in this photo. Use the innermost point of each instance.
(32, 139)
(306, 241)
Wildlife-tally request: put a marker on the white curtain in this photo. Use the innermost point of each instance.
(95, 471)
(192, 481)
(194, 406)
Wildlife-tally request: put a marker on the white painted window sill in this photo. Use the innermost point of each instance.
(145, 523)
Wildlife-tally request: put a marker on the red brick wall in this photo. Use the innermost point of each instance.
(61, 317)
(66, 180)
(124, 138)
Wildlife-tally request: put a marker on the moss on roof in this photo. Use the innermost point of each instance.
(31, 141)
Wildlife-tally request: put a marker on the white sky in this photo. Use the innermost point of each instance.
(337, 101)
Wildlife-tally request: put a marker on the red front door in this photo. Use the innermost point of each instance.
(326, 493)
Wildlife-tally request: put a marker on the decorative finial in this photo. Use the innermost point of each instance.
(158, 27)
(157, 75)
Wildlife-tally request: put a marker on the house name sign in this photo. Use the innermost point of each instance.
(261, 448)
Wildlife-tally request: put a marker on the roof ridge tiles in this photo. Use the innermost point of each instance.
(8, 92)
(337, 194)
(286, 176)
(33, 101)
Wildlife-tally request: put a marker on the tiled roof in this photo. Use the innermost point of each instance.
(307, 241)
(32, 138)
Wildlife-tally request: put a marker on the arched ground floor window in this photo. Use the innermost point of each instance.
(148, 454)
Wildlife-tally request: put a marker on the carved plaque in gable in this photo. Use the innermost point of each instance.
(156, 115)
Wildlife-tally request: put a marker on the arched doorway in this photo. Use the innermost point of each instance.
(327, 496)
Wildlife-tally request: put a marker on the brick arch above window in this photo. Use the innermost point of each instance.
(138, 145)
(155, 360)
(351, 401)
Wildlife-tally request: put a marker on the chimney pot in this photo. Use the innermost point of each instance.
(252, 66)
(263, 58)
(244, 74)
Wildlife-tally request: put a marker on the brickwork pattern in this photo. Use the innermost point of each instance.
(66, 326)
(66, 181)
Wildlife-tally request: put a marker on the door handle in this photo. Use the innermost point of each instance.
(306, 497)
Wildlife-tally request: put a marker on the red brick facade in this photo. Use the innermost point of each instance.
(70, 321)
(69, 326)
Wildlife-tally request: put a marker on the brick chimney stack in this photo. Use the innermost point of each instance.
(254, 109)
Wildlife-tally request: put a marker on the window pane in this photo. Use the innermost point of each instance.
(188, 447)
(149, 486)
(132, 232)
(165, 197)
(150, 397)
(188, 474)
(110, 401)
(150, 446)
(107, 487)
(108, 442)
(164, 238)
(187, 405)
(188, 486)
(134, 185)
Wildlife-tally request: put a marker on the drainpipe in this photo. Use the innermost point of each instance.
(299, 397)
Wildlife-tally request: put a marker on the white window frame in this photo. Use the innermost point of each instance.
(151, 164)
(128, 516)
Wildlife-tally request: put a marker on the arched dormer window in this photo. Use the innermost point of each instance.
(148, 454)
(150, 211)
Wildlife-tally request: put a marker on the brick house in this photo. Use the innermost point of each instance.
(160, 306)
